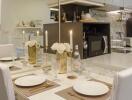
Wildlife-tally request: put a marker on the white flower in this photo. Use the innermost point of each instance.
(67, 45)
(61, 47)
(54, 46)
(31, 43)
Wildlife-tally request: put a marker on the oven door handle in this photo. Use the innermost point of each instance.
(105, 47)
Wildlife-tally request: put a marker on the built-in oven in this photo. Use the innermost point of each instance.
(97, 45)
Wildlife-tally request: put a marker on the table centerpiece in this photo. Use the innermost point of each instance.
(62, 51)
(32, 45)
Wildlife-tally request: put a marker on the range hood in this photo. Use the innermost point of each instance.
(77, 2)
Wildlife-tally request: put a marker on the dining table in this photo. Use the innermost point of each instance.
(63, 83)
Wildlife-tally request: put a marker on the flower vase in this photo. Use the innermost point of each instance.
(32, 54)
(62, 62)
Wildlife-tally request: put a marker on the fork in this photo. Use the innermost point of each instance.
(46, 85)
(71, 94)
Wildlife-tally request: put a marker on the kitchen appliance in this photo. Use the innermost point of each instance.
(128, 41)
(97, 45)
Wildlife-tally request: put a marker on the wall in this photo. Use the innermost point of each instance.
(14, 11)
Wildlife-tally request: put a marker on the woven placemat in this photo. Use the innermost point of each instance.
(29, 91)
(70, 94)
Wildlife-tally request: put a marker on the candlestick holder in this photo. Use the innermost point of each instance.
(70, 72)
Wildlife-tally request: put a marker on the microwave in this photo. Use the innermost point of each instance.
(97, 45)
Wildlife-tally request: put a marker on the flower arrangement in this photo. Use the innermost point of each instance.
(62, 50)
(33, 47)
(61, 47)
(32, 43)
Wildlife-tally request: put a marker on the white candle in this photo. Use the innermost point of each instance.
(38, 36)
(23, 35)
(71, 39)
(37, 33)
(46, 38)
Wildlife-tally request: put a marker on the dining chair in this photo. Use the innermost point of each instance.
(122, 87)
(6, 84)
(7, 50)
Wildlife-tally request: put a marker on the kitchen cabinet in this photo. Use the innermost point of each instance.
(92, 29)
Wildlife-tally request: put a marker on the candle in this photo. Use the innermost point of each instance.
(38, 35)
(23, 35)
(46, 38)
(71, 39)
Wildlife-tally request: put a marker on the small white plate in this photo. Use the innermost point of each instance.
(91, 88)
(7, 58)
(31, 80)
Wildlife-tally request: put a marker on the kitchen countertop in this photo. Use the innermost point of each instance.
(115, 60)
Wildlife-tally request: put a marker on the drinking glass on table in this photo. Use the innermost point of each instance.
(87, 70)
(87, 73)
(54, 65)
(13, 60)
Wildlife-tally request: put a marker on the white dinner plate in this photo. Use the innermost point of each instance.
(31, 80)
(91, 88)
(7, 58)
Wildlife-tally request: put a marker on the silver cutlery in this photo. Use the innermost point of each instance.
(46, 85)
(71, 94)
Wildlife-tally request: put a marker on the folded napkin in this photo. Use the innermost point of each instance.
(6, 85)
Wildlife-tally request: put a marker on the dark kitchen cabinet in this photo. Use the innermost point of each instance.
(94, 32)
